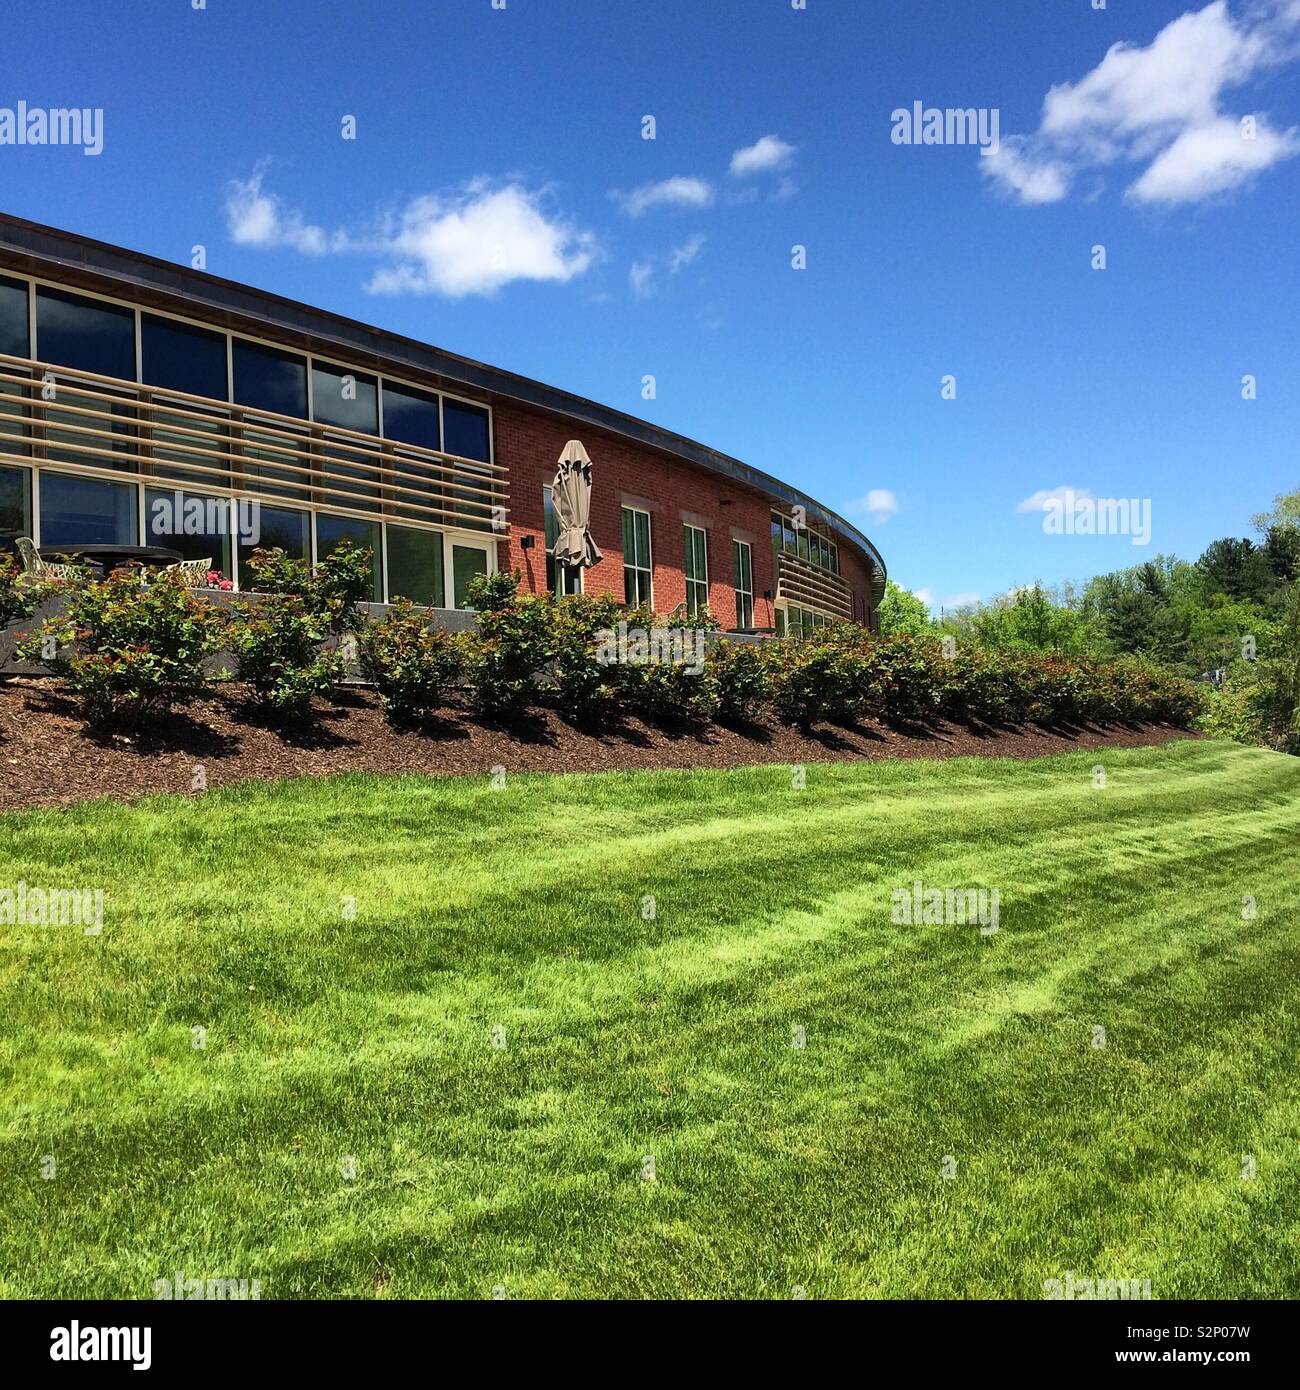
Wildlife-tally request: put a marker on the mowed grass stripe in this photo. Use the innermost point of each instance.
(776, 1166)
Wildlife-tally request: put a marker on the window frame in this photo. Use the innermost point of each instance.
(648, 568)
(442, 532)
(572, 575)
(744, 594)
(696, 550)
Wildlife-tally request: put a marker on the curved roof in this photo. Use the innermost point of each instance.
(147, 279)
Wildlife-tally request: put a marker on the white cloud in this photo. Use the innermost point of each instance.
(641, 278)
(879, 504)
(1211, 159)
(472, 241)
(641, 275)
(771, 152)
(1031, 180)
(479, 240)
(686, 254)
(1042, 500)
(925, 595)
(258, 218)
(964, 599)
(1159, 105)
(678, 192)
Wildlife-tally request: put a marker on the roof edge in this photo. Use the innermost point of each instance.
(152, 275)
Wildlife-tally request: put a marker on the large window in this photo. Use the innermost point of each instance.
(271, 380)
(86, 334)
(742, 563)
(637, 567)
(560, 579)
(277, 528)
(84, 511)
(799, 622)
(180, 357)
(332, 531)
(349, 400)
(14, 340)
(13, 318)
(15, 503)
(413, 417)
(697, 569)
(199, 527)
(90, 336)
(808, 542)
(466, 430)
(466, 562)
(415, 566)
(268, 379)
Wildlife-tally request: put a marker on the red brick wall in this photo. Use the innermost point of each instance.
(530, 442)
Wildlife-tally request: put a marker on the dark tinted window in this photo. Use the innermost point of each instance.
(411, 417)
(80, 511)
(415, 566)
(465, 429)
(269, 380)
(13, 317)
(182, 358)
(16, 504)
(275, 527)
(332, 531)
(347, 399)
(85, 333)
(199, 527)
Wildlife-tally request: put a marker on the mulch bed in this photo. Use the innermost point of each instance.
(50, 758)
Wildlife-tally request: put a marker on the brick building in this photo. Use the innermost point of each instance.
(144, 403)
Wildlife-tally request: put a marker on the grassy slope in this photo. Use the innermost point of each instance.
(775, 1167)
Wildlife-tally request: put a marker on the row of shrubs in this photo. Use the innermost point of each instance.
(127, 649)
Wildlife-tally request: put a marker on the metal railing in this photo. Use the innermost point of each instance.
(81, 422)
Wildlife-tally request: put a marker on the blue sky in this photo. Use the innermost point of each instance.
(499, 201)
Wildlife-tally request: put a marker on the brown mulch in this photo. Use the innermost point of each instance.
(48, 757)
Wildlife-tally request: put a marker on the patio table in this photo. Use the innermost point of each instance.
(108, 557)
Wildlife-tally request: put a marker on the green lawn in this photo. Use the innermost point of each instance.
(775, 1166)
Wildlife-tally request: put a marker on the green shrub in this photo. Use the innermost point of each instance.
(1139, 691)
(742, 675)
(491, 593)
(584, 688)
(412, 666)
(980, 687)
(511, 647)
(330, 592)
(672, 694)
(20, 592)
(279, 652)
(905, 677)
(668, 678)
(818, 680)
(275, 572)
(126, 649)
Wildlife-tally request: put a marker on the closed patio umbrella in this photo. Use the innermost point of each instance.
(571, 498)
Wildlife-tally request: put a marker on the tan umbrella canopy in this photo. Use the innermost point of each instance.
(571, 498)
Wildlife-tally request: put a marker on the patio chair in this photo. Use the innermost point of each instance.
(193, 573)
(34, 565)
